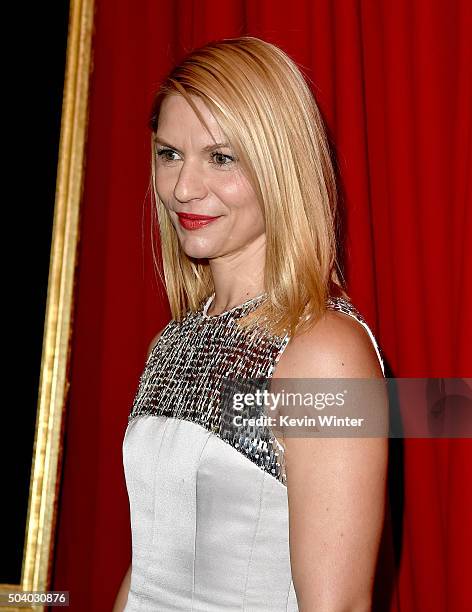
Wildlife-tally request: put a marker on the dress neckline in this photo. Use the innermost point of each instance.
(246, 306)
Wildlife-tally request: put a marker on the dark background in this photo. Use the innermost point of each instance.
(33, 88)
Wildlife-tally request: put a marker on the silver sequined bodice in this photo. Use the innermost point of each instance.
(184, 374)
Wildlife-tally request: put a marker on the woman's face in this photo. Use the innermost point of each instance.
(197, 178)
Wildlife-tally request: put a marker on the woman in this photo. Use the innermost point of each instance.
(226, 517)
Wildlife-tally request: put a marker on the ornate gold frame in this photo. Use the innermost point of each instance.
(54, 382)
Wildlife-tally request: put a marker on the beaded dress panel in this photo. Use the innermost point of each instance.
(208, 501)
(183, 375)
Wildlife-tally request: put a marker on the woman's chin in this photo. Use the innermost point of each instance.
(199, 251)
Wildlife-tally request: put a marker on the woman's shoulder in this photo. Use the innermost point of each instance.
(339, 345)
(153, 342)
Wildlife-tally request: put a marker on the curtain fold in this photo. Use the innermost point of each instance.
(393, 81)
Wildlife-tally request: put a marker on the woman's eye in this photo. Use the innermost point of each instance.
(163, 154)
(220, 159)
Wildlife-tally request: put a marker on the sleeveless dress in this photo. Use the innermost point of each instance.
(208, 502)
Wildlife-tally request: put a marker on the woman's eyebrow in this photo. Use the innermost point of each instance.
(206, 149)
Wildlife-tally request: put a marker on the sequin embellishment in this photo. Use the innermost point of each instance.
(187, 367)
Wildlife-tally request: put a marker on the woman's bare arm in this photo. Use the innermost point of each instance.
(336, 486)
(122, 595)
(154, 341)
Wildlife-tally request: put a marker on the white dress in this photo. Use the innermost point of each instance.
(208, 501)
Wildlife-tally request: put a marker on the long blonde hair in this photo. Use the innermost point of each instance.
(266, 110)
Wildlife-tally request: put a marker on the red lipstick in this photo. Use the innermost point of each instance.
(190, 221)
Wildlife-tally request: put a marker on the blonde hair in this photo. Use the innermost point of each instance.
(266, 110)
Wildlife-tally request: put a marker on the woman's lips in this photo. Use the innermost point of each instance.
(190, 221)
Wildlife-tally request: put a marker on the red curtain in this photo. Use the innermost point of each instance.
(393, 81)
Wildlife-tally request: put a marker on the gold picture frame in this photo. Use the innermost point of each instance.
(54, 380)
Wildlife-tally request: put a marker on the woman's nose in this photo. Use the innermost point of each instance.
(190, 184)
